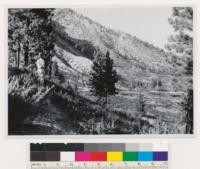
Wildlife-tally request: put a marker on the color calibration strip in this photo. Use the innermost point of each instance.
(96, 165)
(103, 152)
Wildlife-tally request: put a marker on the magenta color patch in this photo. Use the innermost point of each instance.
(83, 156)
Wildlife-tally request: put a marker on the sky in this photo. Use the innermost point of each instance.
(147, 23)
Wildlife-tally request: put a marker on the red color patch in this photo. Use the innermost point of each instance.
(99, 156)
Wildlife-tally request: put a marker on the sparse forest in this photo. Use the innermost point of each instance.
(70, 75)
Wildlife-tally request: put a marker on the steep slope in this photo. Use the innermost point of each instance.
(133, 58)
(120, 43)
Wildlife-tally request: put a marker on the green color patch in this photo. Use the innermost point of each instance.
(130, 156)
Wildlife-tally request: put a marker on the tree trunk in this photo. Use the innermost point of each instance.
(26, 58)
(16, 60)
(18, 55)
(106, 101)
(26, 53)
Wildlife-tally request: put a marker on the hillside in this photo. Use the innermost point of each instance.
(151, 89)
(142, 68)
(36, 110)
(81, 36)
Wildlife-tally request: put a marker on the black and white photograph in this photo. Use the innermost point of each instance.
(122, 70)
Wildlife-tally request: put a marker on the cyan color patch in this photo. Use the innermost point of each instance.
(145, 156)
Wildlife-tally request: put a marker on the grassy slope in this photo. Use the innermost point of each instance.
(61, 111)
(34, 109)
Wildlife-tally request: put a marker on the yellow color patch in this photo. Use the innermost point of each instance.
(114, 156)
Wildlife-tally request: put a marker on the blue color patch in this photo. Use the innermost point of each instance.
(145, 156)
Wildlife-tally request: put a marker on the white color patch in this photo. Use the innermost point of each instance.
(67, 156)
(160, 147)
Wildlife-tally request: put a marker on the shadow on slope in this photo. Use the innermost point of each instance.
(75, 46)
(52, 109)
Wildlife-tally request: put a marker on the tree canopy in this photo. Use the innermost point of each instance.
(181, 43)
(103, 76)
(30, 32)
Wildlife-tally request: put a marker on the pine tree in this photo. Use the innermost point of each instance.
(188, 109)
(16, 31)
(103, 77)
(181, 44)
(45, 35)
(141, 104)
(55, 71)
(30, 31)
